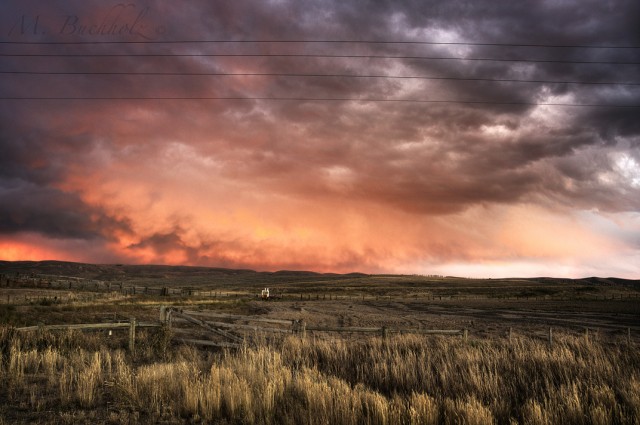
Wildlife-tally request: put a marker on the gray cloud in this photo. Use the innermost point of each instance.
(429, 159)
(25, 207)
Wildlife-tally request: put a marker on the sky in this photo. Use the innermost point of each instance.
(476, 139)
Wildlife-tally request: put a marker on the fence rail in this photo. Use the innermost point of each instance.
(237, 317)
(88, 326)
(238, 326)
(208, 343)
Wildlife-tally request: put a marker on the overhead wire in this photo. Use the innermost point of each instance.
(316, 55)
(301, 75)
(317, 75)
(327, 41)
(321, 99)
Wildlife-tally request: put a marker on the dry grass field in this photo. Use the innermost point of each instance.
(71, 376)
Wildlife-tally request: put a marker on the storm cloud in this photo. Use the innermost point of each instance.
(405, 157)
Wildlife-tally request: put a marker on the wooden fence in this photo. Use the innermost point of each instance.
(208, 328)
(131, 325)
(223, 325)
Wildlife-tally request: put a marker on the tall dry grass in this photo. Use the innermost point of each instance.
(403, 380)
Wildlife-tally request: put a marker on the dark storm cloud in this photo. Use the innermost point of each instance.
(163, 243)
(428, 159)
(25, 207)
(34, 161)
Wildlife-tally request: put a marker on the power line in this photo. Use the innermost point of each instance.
(414, 42)
(311, 55)
(274, 74)
(324, 99)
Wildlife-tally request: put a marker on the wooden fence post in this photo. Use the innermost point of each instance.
(586, 334)
(384, 333)
(132, 335)
(465, 335)
(510, 333)
(550, 336)
(303, 329)
(163, 313)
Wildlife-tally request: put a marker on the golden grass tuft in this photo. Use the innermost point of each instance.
(405, 380)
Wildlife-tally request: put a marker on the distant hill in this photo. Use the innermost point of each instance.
(611, 281)
(110, 271)
(176, 275)
(195, 275)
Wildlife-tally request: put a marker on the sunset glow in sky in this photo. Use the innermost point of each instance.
(485, 163)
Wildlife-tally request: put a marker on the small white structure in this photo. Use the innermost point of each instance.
(265, 294)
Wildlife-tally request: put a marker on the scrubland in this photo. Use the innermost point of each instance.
(71, 377)
(590, 374)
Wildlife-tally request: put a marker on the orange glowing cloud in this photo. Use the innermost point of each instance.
(462, 169)
(17, 250)
(36, 248)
